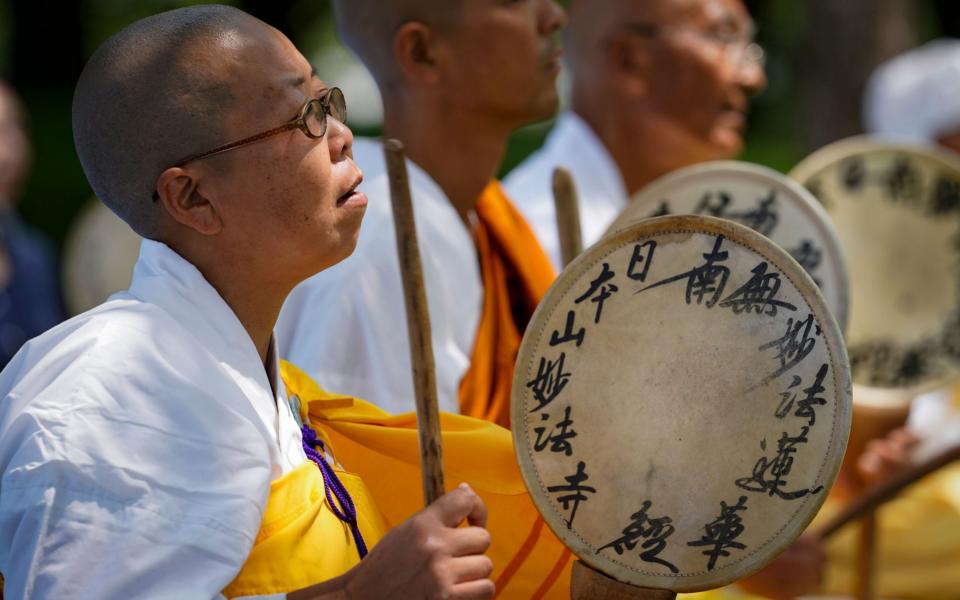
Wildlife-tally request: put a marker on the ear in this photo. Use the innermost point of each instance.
(630, 63)
(178, 193)
(414, 50)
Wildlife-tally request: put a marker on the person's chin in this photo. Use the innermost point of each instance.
(545, 106)
(344, 250)
(726, 143)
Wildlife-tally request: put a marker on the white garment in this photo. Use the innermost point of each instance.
(601, 192)
(137, 445)
(936, 422)
(347, 326)
(915, 96)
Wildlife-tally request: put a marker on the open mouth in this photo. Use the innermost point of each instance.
(733, 116)
(553, 58)
(352, 193)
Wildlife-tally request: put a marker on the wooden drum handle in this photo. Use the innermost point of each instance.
(568, 215)
(885, 491)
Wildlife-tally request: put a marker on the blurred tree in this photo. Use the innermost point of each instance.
(842, 43)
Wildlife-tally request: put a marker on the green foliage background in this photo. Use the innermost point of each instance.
(43, 65)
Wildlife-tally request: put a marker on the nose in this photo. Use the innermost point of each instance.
(750, 73)
(339, 139)
(554, 17)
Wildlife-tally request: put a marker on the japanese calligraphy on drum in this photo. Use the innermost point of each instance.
(896, 210)
(763, 200)
(681, 403)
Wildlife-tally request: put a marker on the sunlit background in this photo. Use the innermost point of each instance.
(819, 54)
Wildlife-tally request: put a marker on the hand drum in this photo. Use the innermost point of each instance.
(896, 210)
(681, 403)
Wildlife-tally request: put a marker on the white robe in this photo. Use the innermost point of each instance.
(138, 441)
(347, 327)
(601, 191)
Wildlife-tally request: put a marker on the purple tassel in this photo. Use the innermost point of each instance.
(348, 514)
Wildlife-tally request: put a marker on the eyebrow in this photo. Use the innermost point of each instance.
(299, 81)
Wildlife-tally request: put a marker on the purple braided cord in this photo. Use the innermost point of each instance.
(332, 482)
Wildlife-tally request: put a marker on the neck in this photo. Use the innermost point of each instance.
(624, 143)
(460, 150)
(256, 309)
(249, 290)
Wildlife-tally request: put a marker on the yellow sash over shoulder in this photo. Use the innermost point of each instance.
(301, 542)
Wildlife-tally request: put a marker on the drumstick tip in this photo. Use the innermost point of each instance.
(393, 145)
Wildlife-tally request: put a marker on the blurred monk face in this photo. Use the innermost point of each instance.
(286, 198)
(699, 70)
(504, 58)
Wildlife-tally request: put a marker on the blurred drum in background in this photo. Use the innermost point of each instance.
(761, 199)
(896, 210)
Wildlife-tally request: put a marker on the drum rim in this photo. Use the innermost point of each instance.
(834, 152)
(819, 159)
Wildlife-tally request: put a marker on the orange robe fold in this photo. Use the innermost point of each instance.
(382, 449)
(516, 274)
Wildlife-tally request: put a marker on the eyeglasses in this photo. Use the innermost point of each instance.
(312, 121)
(738, 48)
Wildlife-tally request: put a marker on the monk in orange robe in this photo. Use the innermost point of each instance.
(456, 78)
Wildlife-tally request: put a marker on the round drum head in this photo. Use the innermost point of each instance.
(763, 200)
(681, 403)
(896, 210)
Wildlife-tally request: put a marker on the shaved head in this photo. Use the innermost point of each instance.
(368, 26)
(150, 95)
(592, 21)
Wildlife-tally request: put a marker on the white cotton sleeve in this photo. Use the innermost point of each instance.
(69, 543)
(109, 492)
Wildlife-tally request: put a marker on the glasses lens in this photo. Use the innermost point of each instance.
(755, 53)
(315, 119)
(338, 105)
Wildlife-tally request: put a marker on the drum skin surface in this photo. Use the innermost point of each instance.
(896, 210)
(764, 200)
(681, 403)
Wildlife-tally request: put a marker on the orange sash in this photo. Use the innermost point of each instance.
(516, 274)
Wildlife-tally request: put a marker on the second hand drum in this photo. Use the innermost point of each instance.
(763, 200)
(896, 210)
(681, 403)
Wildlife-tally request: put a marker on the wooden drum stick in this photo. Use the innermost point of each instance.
(873, 498)
(568, 215)
(418, 323)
